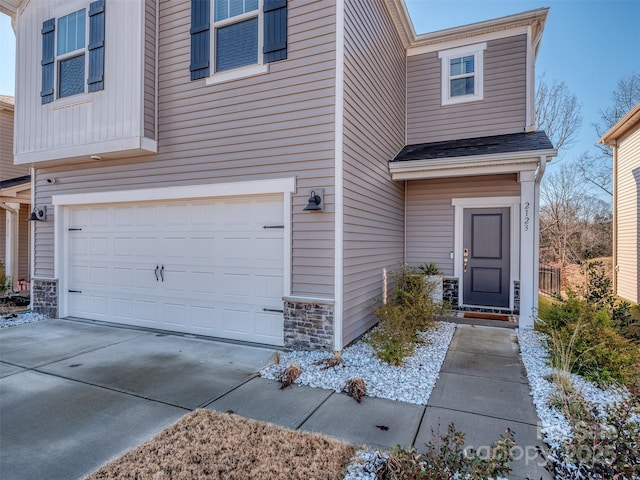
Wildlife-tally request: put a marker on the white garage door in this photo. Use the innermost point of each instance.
(210, 267)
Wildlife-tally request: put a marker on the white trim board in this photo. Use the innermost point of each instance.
(513, 203)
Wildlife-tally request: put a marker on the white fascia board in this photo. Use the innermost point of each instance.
(465, 166)
(255, 187)
(121, 146)
(461, 42)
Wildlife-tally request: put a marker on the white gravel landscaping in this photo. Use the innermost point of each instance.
(412, 382)
(14, 319)
(554, 425)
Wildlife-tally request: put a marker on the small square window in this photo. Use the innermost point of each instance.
(462, 74)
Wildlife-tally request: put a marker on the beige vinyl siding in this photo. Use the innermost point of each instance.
(628, 218)
(275, 125)
(24, 253)
(501, 111)
(3, 237)
(430, 215)
(374, 116)
(150, 69)
(7, 168)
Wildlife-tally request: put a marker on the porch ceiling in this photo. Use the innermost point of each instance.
(496, 154)
(16, 190)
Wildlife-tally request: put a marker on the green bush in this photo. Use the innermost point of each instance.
(446, 458)
(410, 311)
(5, 281)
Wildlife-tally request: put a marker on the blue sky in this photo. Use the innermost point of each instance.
(588, 44)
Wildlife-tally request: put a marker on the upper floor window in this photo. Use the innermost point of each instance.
(237, 38)
(71, 53)
(236, 34)
(462, 74)
(68, 59)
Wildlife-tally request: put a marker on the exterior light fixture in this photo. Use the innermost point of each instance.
(38, 214)
(315, 201)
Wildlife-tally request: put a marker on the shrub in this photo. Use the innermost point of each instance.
(5, 281)
(410, 311)
(445, 458)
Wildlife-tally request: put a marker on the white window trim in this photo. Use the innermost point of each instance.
(459, 204)
(477, 50)
(61, 203)
(258, 68)
(81, 51)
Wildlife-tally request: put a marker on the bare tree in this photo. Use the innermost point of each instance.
(574, 225)
(558, 113)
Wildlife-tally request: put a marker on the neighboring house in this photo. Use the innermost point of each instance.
(177, 146)
(624, 137)
(15, 200)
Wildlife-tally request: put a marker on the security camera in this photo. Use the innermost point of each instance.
(51, 180)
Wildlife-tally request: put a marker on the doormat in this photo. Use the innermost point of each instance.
(487, 316)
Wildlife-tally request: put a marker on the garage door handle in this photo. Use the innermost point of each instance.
(162, 273)
(157, 267)
(275, 310)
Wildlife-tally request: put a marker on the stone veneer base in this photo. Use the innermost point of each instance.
(44, 296)
(308, 325)
(452, 292)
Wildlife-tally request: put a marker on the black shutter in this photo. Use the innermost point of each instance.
(200, 41)
(275, 30)
(48, 60)
(95, 81)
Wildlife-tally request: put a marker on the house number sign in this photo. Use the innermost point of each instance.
(526, 216)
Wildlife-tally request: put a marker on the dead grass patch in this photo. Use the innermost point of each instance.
(211, 445)
(289, 375)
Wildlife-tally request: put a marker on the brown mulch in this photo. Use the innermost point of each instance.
(209, 445)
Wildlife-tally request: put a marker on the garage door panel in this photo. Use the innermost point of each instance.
(221, 267)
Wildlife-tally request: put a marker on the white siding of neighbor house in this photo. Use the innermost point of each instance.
(3, 236)
(150, 69)
(502, 110)
(275, 125)
(430, 215)
(628, 217)
(374, 116)
(110, 115)
(7, 168)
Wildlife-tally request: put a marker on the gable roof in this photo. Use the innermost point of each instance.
(12, 182)
(622, 126)
(6, 102)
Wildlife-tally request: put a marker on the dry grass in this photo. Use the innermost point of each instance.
(289, 375)
(356, 388)
(211, 445)
(330, 362)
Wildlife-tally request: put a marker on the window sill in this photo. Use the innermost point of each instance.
(461, 99)
(238, 73)
(72, 101)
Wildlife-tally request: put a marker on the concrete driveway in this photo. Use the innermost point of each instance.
(74, 395)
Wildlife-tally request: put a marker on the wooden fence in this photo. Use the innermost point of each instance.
(550, 280)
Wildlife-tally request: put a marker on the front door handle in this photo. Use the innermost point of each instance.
(464, 264)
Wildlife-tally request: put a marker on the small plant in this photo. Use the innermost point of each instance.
(446, 458)
(5, 281)
(276, 357)
(429, 269)
(289, 375)
(333, 361)
(410, 311)
(356, 388)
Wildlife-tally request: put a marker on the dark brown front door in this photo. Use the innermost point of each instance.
(486, 257)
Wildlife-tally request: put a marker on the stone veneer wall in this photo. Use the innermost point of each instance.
(44, 296)
(308, 325)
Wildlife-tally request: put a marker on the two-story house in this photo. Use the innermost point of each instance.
(15, 200)
(253, 169)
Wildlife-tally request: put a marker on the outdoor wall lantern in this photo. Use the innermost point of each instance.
(38, 214)
(315, 201)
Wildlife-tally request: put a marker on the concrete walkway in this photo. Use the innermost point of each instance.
(74, 395)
